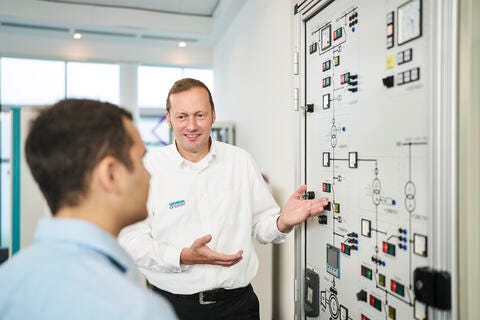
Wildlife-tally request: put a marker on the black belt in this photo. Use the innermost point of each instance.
(206, 297)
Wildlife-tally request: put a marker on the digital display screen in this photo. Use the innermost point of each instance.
(332, 257)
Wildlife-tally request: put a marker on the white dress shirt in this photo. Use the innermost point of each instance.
(223, 195)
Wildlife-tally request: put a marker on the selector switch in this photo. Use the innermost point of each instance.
(388, 81)
(328, 207)
(309, 195)
(322, 219)
(362, 295)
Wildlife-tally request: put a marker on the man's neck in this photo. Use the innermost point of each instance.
(89, 215)
(194, 156)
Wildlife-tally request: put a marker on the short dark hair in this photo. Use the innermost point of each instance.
(185, 85)
(67, 140)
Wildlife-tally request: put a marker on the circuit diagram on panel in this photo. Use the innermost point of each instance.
(380, 236)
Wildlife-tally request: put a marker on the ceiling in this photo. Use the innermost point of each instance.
(199, 23)
(204, 8)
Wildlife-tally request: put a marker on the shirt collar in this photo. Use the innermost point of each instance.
(85, 234)
(203, 163)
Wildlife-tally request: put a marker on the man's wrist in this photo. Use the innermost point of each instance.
(185, 256)
(283, 227)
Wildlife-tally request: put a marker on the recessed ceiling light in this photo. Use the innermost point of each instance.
(182, 44)
(77, 36)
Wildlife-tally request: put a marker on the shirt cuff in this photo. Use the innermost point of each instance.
(277, 234)
(172, 258)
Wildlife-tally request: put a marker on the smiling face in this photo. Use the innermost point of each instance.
(191, 117)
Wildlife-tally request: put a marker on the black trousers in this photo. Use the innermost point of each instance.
(236, 304)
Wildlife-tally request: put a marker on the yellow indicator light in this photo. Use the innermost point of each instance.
(390, 62)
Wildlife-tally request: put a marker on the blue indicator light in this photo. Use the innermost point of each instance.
(404, 231)
(344, 129)
(353, 29)
(394, 202)
(405, 248)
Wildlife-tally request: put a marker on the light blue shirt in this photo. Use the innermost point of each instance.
(75, 270)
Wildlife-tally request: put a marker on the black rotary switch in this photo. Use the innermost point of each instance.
(322, 219)
(362, 295)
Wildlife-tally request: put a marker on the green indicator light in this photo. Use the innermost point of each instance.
(400, 289)
(378, 305)
(391, 249)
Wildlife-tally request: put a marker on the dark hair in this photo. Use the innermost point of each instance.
(185, 85)
(67, 140)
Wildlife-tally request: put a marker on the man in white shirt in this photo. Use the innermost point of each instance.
(207, 201)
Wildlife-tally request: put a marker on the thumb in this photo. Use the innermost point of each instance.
(301, 190)
(200, 242)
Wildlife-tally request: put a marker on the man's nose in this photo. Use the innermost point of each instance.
(192, 124)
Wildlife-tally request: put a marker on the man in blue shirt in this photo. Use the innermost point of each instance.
(86, 156)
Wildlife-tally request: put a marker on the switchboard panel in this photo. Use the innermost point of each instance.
(368, 89)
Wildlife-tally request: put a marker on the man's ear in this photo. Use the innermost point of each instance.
(169, 121)
(214, 116)
(106, 174)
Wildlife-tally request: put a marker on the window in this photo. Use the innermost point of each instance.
(204, 75)
(31, 82)
(154, 130)
(154, 83)
(26, 82)
(98, 81)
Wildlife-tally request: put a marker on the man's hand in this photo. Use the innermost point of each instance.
(200, 253)
(297, 210)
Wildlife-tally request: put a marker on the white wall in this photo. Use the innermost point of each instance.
(252, 74)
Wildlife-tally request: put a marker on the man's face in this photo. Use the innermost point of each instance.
(191, 118)
(137, 180)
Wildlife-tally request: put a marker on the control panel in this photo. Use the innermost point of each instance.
(367, 147)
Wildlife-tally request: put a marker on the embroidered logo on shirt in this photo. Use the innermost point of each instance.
(176, 204)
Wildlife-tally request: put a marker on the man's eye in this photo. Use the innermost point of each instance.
(201, 115)
(180, 117)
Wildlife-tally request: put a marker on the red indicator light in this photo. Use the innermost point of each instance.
(372, 301)
(342, 79)
(393, 286)
(342, 247)
(385, 247)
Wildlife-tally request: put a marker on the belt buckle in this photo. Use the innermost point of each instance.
(201, 301)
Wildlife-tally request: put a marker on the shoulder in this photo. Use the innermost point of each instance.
(159, 155)
(75, 287)
(228, 150)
